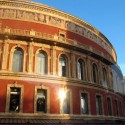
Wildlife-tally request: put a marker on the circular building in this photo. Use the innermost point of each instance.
(54, 68)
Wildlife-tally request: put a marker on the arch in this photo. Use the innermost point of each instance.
(94, 73)
(104, 80)
(41, 49)
(111, 79)
(63, 65)
(17, 63)
(81, 69)
(41, 61)
(13, 49)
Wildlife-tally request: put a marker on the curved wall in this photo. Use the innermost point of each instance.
(28, 29)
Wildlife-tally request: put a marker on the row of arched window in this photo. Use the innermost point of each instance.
(41, 66)
(18, 56)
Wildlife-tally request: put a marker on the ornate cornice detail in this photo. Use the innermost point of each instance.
(45, 36)
(29, 11)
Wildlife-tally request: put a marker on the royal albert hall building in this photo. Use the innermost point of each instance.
(55, 68)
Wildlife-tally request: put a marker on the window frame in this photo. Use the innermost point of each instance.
(95, 75)
(44, 71)
(100, 105)
(60, 69)
(88, 103)
(109, 108)
(120, 109)
(47, 100)
(16, 54)
(83, 69)
(116, 107)
(70, 102)
(15, 85)
(11, 57)
(104, 77)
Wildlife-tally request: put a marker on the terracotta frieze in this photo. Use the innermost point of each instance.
(57, 21)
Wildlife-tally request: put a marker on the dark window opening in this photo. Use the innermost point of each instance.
(116, 107)
(109, 106)
(63, 66)
(14, 99)
(121, 111)
(42, 100)
(95, 73)
(98, 105)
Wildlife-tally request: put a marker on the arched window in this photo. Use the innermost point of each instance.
(17, 65)
(81, 69)
(94, 73)
(63, 65)
(41, 63)
(104, 77)
(111, 79)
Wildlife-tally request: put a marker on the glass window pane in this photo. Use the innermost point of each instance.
(84, 103)
(81, 69)
(17, 65)
(41, 63)
(62, 66)
(104, 78)
(66, 104)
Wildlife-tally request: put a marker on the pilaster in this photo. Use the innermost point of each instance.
(53, 60)
(5, 53)
(30, 57)
(88, 67)
(73, 65)
(110, 78)
(100, 74)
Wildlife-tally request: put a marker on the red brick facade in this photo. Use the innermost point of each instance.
(33, 37)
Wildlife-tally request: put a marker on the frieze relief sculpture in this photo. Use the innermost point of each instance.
(46, 19)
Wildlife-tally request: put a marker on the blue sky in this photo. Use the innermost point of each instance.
(108, 16)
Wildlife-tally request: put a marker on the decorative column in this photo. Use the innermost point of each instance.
(5, 53)
(73, 65)
(100, 75)
(0, 58)
(53, 60)
(30, 56)
(88, 67)
(110, 78)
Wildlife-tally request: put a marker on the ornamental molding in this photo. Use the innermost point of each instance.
(45, 15)
(40, 35)
(55, 81)
(29, 11)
